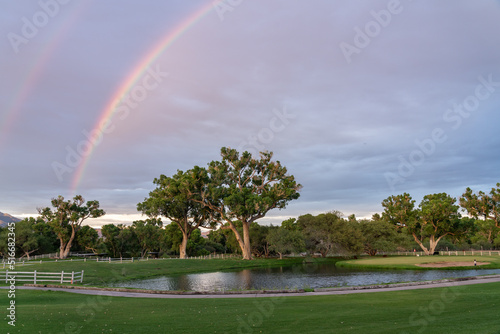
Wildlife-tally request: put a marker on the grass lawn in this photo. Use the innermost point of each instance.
(461, 309)
(409, 262)
(101, 273)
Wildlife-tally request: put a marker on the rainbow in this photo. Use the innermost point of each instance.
(128, 84)
(34, 73)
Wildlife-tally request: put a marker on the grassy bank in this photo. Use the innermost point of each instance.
(463, 309)
(102, 273)
(410, 262)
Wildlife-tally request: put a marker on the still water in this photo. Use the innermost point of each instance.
(294, 277)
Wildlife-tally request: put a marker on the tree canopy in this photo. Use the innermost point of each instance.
(436, 217)
(173, 200)
(482, 205)
(241, 188)
(67, 217)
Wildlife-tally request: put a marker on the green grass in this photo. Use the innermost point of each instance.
(463, 309)
(409, 262)
(102, 273)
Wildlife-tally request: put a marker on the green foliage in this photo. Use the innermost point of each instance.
(47, 238)
(379, 235)
(482, 205)
(284, 241)
(258, 239)
(88, 239)
(174, 200)
(33, 236)
(242, 188)
(67, 218)
(196, 245)
(329, 233)
(120, 241)
(400, 211)
(290, 224)
(436, 217)
(149, 235)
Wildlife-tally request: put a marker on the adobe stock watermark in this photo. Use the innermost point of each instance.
(74, 156)
(92, 306)
(31, 26)
(256, 143)
(11, 279)
(454, 115)
(223, 6)
(372, 29)
(264, 309)
(424, 316)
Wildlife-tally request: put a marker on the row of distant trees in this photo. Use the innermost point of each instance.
(325, 234)
(230, 195)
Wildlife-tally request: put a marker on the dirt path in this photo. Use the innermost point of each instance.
(319, 292)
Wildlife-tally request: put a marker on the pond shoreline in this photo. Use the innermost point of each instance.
(282, 292)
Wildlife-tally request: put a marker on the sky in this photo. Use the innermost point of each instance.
(360, 100)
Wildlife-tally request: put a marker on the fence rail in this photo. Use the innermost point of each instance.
(20, 262)
(471, 252)
(447, 253)
(39, 276)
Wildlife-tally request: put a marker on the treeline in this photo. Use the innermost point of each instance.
(325, 234)
(230, 195)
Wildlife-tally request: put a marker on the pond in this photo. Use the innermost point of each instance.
(294, 277)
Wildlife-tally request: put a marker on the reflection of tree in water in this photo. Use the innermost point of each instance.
(246, 278)
(183, 283)
(308, 266)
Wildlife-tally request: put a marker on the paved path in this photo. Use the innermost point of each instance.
(344, 291)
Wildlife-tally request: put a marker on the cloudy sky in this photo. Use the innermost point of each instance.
(359, 100)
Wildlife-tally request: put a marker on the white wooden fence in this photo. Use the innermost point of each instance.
(447, 253)
(4, 264)
(39, 276)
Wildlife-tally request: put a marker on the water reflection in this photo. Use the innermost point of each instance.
(295, 277)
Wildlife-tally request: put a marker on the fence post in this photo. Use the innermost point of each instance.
(121, 259)
(34, 277)
(72, 276)
(132, 260)
(62, 276)
(81, 278)
(6, 275)
(109, 259)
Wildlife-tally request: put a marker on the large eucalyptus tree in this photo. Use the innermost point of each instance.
(241, 188)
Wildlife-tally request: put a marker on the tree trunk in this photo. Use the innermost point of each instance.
(247, 254)
(420, 244)
(183, 245)
(241, 242)
(281, 256)
(433, 243)
(65, 248)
